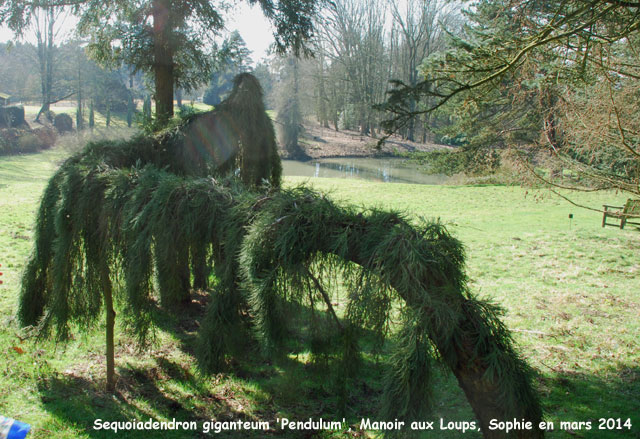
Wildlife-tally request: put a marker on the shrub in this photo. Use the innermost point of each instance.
(12, 117)
(63, 123)
(18, 141)
(46, 136)
(28, 142)
(470, 161)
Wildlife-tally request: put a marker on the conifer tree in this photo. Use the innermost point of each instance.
(112, 206)
(92, 116)
(289, 113)
(78, 233)
(146, 110)
(79, 119)
(166, 38)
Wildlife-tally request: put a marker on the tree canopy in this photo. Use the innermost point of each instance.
(235, 58)
(170, 39)
(525, 72)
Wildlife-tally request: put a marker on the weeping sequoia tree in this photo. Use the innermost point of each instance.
(134, 221)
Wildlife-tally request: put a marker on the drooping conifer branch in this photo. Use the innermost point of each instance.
(140, 208)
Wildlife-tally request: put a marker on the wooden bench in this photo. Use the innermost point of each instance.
(630, 211)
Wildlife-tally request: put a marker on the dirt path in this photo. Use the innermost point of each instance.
(318, 142)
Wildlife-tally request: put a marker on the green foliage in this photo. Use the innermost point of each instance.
(258, 159)
(12, 117)
(112, 206)
(187, 29)
(290, 118)
(146, 110)
(19, 141)
(289, 113)
(298, 237)
(79, 119)
(468, 160)
(63, 123)
(409, 378)
(136, 183)
(108, 90)
(235, 59)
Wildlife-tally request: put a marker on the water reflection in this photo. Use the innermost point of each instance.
(388, 170)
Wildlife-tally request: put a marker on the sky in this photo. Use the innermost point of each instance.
(253, 27)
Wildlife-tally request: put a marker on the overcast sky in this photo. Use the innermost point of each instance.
(249, 21)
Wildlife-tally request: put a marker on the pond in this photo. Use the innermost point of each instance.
(388, 170)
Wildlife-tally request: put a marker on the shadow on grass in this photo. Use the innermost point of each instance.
(251, 389)
(575, 397)
(139, 396)
(296, 387)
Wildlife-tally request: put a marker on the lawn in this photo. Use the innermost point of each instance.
(570, 292)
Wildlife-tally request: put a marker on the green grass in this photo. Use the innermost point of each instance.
(570, 295)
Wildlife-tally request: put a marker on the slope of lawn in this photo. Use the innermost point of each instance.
(571, 296)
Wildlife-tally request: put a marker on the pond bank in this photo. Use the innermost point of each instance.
(321, 143)
(381, 169)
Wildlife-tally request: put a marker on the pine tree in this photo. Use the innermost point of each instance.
(79, 119)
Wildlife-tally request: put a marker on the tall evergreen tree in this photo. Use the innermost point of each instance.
(289, 115)
(108, 115)
(146, 110)
(235, 58)
(167, 38)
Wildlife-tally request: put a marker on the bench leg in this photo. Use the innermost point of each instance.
(623, 222)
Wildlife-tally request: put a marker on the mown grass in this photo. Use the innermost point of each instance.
(570, 294)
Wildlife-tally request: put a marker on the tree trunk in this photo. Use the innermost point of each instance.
(483, 394)
(163, 61)
(111, 318)
(79, 113)
(49, 78)
(322, 99)
(412, 102)
(199, 267)
(45, 59)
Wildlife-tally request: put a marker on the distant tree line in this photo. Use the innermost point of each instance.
(73, 75)
(558, 79)
(360, 48)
